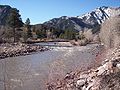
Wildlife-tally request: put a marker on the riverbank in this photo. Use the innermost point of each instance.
(47, 40)
(34, 70)
(104, 77)
(18, 49)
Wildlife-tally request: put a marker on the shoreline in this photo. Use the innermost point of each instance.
(50, 62)
(19, 49)
(95, 78)
(39, 41)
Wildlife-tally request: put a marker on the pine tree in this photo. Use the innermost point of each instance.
(14, 21)
(28, 27)
(69, 34)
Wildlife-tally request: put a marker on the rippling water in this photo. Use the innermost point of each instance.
(31, 72)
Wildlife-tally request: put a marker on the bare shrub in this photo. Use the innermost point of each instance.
(83, 42)
(81, 35)
(96, 39)
(88, 34)
(110, 82)
(85, 37)
(110, 32)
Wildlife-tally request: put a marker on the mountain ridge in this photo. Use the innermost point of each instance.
(88, 20)
(4, 12)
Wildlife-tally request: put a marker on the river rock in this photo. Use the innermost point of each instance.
(17, 49)
(91, 75)
(101, 71)
(81, 82)
(105, 69)
(118, 66)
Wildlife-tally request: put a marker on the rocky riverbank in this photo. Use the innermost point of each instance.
(104, 77)
(17, 49)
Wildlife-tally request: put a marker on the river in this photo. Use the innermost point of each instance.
(32, 72)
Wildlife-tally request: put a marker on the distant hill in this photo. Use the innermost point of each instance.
(88, 20)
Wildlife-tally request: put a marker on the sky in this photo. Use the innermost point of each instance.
(40, 11)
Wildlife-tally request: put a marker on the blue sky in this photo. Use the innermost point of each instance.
(40, 11)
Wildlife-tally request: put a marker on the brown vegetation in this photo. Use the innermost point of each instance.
(110, 32)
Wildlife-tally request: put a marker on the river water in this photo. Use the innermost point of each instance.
(33, 71)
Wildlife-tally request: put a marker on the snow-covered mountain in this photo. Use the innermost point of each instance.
(100, 14)
(89, 20)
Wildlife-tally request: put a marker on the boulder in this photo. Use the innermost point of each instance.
(105, 68)
(101, 71)
(118, 66)
(81, 82)
(84, 75)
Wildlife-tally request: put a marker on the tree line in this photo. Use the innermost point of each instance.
(16, 30)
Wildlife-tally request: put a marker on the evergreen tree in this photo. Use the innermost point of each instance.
(24, 34)
(14, 21)
(70, 34)
(41, 34)
(28, 27)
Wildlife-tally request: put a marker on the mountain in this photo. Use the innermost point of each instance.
(4, 12)
(89, 20)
